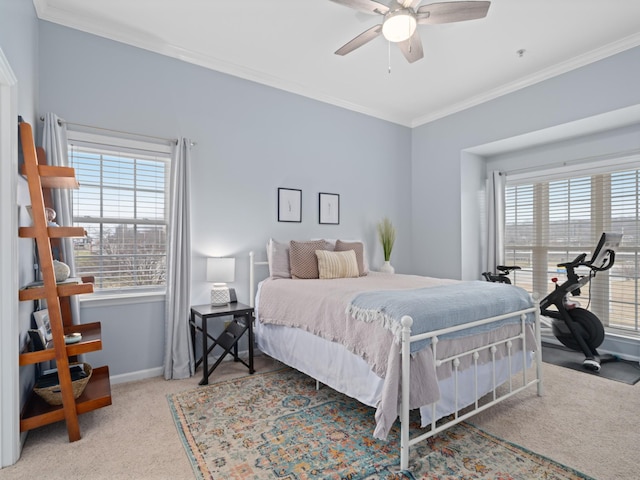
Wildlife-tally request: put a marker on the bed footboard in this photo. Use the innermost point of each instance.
(494, 397)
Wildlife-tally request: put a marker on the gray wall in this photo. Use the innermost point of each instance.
(251, 139)
(442, 169)
(19, 43)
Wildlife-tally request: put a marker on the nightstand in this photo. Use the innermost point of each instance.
(228, 340)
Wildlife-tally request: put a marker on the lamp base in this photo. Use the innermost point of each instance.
(220, 295)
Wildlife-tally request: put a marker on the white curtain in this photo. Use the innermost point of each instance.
(54, 143)
(495, 230)
(178, 359)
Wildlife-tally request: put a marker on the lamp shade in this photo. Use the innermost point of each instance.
(221, 270)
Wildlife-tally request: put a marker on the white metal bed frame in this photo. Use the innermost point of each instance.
(405, 441)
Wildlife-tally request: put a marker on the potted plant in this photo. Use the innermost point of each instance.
(387, 235)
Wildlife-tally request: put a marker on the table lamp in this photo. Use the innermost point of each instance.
(220, 271)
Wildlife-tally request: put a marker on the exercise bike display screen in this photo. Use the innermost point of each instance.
(608, 242)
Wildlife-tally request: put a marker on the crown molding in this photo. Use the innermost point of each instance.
(539, 76)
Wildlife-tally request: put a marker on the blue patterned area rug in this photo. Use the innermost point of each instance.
(276, 425)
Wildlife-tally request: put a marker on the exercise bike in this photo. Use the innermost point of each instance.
(575, 327)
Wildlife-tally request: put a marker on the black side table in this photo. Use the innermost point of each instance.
(228, 339)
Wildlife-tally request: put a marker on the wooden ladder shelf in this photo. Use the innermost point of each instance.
(97, 393)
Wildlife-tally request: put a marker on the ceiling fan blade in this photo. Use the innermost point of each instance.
(412, 48)
(448, 12)
(367, 6)
(360, 40)
(409, 3)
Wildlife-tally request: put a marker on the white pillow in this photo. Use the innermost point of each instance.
(278, 258)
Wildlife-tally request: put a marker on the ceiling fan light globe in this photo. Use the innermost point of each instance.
(399, 26)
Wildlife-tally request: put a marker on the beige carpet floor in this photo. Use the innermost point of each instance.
(585, 422)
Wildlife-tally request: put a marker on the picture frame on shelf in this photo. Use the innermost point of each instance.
(289, 205)
(42, 323)
(328, 208)
(37, 340)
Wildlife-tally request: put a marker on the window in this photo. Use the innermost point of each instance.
(552, 218)
(121, 203)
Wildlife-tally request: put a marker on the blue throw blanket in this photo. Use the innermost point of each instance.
(440, 307)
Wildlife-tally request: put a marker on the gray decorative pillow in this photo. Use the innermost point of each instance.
(358, 248)
(278, 256)
(337, 264)
(302, 257)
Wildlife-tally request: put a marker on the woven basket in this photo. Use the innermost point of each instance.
(53, 394)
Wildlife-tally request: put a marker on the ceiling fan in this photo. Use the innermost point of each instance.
(401, 18)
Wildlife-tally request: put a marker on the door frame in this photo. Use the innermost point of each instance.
(9, 325)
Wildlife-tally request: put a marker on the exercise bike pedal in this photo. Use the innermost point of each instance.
(591, 364)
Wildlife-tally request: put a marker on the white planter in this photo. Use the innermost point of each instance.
(387, 268)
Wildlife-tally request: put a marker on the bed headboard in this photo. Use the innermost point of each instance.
(252, 281)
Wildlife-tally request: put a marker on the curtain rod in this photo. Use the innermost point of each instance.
(64, 122)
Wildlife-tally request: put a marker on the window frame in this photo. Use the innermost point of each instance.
(600, 220)
(124, 146)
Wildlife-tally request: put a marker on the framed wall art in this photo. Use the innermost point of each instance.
(289, 205)
(329, 208)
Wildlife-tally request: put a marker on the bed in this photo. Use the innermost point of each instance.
(363, 333)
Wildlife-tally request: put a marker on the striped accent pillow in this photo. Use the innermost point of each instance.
(302, 258)
(337, 264)
(358, 248)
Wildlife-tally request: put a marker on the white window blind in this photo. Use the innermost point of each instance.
(550, 220)
(121, 203)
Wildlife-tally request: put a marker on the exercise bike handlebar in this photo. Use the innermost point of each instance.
(579, 262)
(576, 262)
(610, 261)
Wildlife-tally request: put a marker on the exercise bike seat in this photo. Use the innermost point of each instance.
(507, 268)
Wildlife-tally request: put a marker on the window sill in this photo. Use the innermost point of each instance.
(109, 299)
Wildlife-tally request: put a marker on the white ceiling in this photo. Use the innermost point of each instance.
(289, 44)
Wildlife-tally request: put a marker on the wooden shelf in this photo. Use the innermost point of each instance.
(53, 232)
(97, 394)
(66, 290)
(56, 177)
(91, 342)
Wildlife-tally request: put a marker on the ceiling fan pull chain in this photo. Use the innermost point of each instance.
(389, 56)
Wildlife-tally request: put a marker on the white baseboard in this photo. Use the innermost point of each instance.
(159, 371)
(135, 376)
